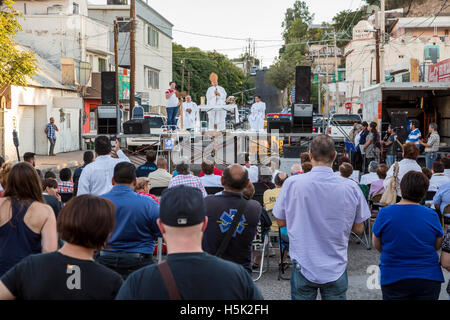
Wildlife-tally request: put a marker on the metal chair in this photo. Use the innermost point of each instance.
(157, 191)
(284, 249)
(213, 190)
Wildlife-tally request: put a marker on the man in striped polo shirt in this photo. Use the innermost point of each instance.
(415, 134)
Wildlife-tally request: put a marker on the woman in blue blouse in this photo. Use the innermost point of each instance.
(408, 236)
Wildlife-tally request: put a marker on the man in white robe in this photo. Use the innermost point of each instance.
(258, 112)
(216, 97)
(190, 110)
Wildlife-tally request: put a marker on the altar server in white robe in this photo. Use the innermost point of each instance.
(258, 112)
(216, 97)
(190, 110)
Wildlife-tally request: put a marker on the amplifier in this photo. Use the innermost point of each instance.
(283, 125)
(136, 126)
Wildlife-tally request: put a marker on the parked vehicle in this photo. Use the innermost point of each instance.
(340, 125)
(157, 127)
(318, 123)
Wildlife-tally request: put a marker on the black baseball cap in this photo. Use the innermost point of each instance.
(182, 206)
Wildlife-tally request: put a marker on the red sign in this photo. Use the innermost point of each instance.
(348, 105)
(439, 72)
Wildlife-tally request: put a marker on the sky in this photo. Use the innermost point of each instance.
(242, 19)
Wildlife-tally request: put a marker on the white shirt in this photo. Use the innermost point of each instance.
(404, 167)
(172, 101)
(256, 118)
(213, 100)
(368, 178)
(357, 138)
(437, 180)
(96, 177)
(447, 172)
(253, 173)
(189, 118)
(211, 180)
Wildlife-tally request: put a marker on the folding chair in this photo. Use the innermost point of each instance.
(259, 245)
(366, 237)
(284, 249)
(213, 190)
(157, 191)
(445, 220)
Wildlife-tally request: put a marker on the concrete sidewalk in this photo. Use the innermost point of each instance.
(70, 160)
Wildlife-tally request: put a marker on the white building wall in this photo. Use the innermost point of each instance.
(156, 58)
(45, 103)
(360, 60)
(40, 7)
(56, 36)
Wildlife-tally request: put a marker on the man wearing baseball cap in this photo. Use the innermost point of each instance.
(195, 275)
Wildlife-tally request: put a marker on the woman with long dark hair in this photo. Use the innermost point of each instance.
(85, 224)
(27, 224)
(372, 145)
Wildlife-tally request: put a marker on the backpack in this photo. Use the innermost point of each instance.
(390, 194)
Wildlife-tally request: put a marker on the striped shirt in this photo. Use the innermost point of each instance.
(414, 136)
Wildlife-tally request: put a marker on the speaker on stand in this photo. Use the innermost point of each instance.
(109, 88)
(302, 109)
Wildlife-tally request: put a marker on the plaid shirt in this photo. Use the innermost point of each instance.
(51, 131)
(65, 187)
(188, 180)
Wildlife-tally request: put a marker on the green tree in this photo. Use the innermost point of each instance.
(293, 53)
(15, 65)
(200, 64)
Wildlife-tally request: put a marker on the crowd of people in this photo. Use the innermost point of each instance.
(93, 234)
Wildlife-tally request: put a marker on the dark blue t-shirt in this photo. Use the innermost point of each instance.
(408, 236)
(145, 169)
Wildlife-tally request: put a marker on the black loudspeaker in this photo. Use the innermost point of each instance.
(109, 88)
(303, 84)
(283, 125)
(136, 126)
(399, 122)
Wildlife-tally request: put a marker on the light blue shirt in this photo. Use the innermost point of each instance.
(414, 136)
(442, 196)
(320, 209)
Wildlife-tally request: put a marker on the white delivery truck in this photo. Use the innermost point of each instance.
(396, 103)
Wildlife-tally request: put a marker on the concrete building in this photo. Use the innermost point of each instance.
(57, 29)
(406, 52)
(153, 47)
(69, 46)
(28, 109)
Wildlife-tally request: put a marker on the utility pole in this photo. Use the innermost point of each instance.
(377, 54)
(189, 83)
(383, 32)
(132, 54)
(336, 73)
(182, 75)
(116, 58)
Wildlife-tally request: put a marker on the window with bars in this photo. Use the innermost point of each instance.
(152, 77)
(152, 37)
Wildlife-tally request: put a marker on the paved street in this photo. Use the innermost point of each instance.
(359, 260)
